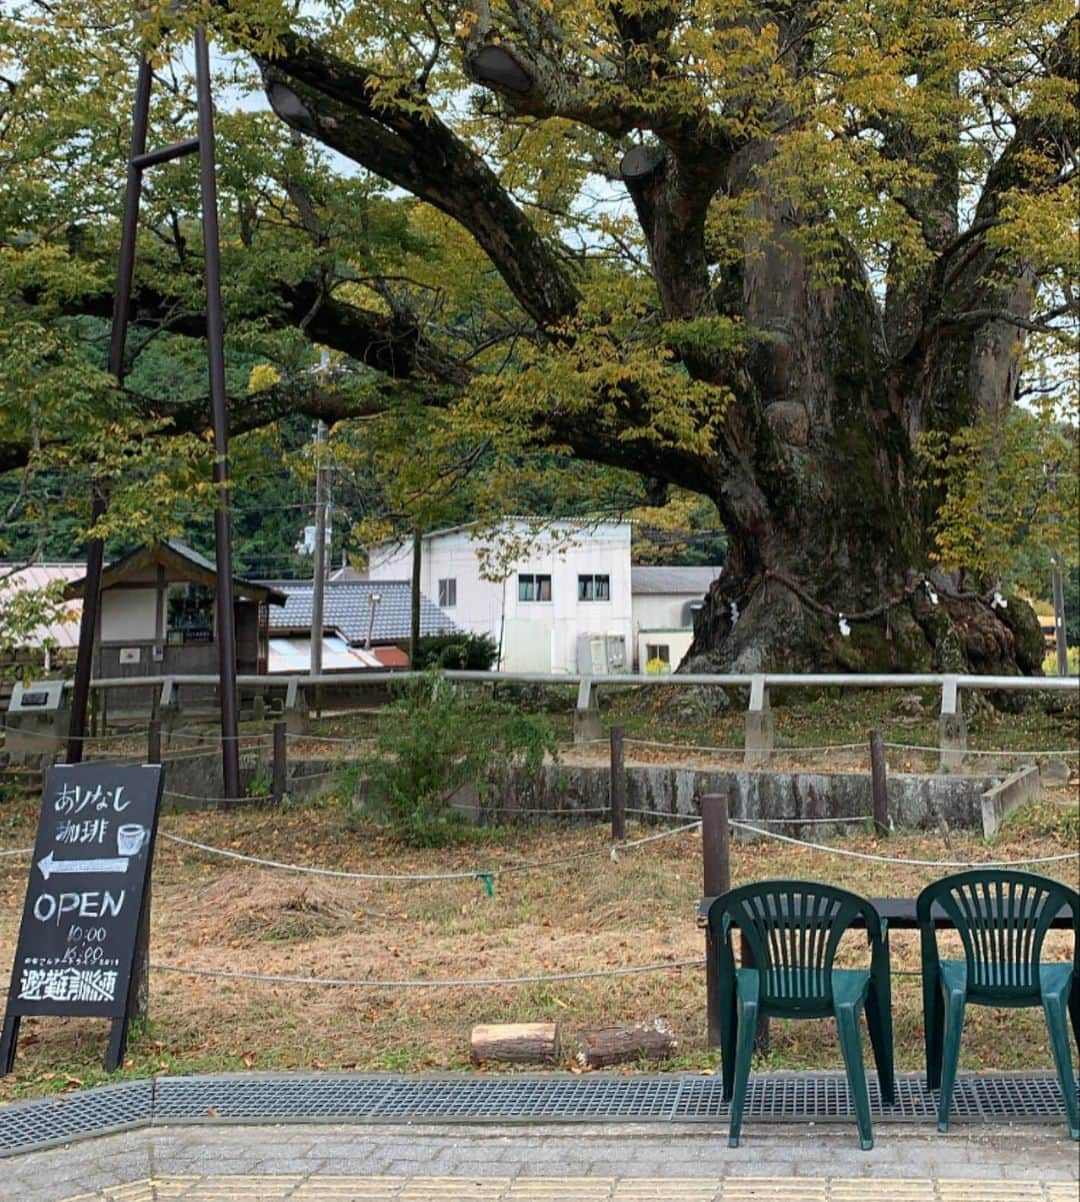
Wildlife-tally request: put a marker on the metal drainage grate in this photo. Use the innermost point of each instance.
(776, 1097)
(821, 1097)
(437, 1099)
(46, 1121)
(779, 1097)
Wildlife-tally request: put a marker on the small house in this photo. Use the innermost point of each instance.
(158, 615)
(665, 602)
(366, 624)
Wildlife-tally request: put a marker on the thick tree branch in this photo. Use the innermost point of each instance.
(406, 143)
(979, 298)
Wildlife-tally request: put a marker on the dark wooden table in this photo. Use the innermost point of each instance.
(900, 911)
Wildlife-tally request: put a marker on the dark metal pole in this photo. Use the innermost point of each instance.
(84, 661)
(318, 593)
(618, 786)
(125, 270)
(414, 594)
(153, 742)
(1061, 644)
(877, 782)
(716, 864)
(140, 988)
(215, 351)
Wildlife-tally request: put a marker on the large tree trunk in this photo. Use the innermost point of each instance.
(830, 553)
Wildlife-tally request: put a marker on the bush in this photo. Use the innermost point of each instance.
(431, 741)
(472, 652)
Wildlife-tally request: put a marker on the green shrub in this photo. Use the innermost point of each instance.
(431, 741)
(472, 652)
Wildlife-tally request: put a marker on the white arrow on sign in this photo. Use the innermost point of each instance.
(49, 865)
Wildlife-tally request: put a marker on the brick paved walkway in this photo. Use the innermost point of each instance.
(622, 1162)
(574, 1189)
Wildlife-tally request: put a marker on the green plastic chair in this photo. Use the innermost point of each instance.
(1002, 917)
(793, 929)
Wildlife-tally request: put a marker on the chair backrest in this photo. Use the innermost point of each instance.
(793, 929)
(1002, 917)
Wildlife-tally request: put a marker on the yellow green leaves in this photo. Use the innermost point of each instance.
(263, 377)
(1010, 495)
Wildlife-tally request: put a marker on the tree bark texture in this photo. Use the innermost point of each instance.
(604, 1046)
(518, 1043)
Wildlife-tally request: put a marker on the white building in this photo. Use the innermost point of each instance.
(565, 598)
(664, 601)
(566, 582)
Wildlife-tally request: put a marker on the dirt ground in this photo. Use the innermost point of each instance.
(587, 914)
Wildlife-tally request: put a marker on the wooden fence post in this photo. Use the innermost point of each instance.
(877, 782)
(281, 767)
(618, 786)
(716, 866)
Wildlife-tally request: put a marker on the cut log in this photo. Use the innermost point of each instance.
(521, 1043)
(602, 1046)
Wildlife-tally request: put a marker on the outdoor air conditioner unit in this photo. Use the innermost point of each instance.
(601, 654)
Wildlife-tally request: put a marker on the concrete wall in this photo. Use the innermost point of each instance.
(1000, 801)
(915, 802)
(677, 642)
(196, 777)
(663, 611)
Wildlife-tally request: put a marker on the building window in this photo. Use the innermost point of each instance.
(594, 588)
(660, 651)
(447, 593)
(189, 614)
(533, 587)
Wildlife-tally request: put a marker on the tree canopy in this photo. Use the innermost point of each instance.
(784, 256)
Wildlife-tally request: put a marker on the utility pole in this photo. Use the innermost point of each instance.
(319, 589)
(414, 625)
(139, 160)
(1059, 621)
(1059, 590)
(215, 350)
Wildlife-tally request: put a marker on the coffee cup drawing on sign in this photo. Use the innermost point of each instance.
(129, 839)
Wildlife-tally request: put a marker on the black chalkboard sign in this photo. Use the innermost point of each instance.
(85, 901)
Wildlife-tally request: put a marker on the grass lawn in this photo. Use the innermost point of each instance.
(587, 914)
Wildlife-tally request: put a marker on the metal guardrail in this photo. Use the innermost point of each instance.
(759, 738)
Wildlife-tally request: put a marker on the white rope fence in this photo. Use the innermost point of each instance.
(1060, 753)
(742, 750)
(490, 874)
(879, 859)
(425, 983)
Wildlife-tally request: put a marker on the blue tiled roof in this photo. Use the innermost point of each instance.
(347, 609)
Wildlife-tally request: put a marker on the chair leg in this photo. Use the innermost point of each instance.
(1074, 1008)
(879, 1020)
(748, 1012)
(729, 1025)
(1054, 1009)
(950, 1054)
(934, 1025)
(847, 1022)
